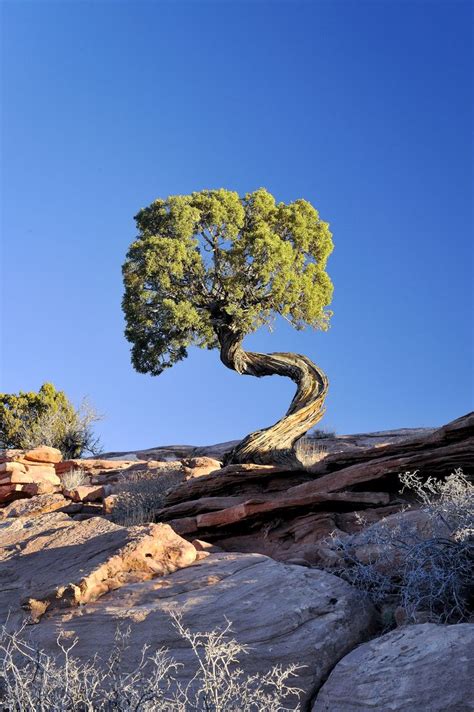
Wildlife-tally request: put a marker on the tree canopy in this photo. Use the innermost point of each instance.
(212, 258)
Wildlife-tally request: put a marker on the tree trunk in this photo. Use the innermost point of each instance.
(274, 445)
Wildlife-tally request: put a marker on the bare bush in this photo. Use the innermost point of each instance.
(75, 477)
(309, 452)
(427, 569)
(71, 431)
(141, 496)
(322, 433)
(31, 679)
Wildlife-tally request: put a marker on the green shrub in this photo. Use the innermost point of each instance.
(30, 419)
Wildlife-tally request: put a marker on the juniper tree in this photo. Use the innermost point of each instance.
(209, 268)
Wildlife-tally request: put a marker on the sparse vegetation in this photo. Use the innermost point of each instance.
(74, 478)
(142, 495)
(321, 433)
(47, 417)
(32, 679)
(427, 571)
(308, 452)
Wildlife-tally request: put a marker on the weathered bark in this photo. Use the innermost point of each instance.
(275, 444)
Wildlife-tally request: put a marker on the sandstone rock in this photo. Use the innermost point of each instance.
(285, 614)
(11, 467)
(93, 466)
(31, 489)
(44, 454)
(286, 513)
(417, 668)
(199, 466)
(9, 492)
(109, 503)
(86, 493)
(52, 561)
(31, 477)
(33, 507)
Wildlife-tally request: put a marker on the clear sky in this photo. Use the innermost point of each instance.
(363, 108)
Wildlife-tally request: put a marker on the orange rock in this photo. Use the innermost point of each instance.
(44, 453)
(43, 474)
(109, 503)
(34, 488)
(86, 493)
(16, 478)
(11, 467)
(200, 466)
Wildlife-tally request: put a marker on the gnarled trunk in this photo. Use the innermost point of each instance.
(275, 444)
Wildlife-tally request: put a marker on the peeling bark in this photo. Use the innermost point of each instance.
(275, 444)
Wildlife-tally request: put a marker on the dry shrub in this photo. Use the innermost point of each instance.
(428, 572)
(75, 477)
(141, 496)
(71, 431)
(31, 679)
(308, 452)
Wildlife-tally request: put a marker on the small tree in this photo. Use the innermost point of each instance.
(47, 417)
(209, 268)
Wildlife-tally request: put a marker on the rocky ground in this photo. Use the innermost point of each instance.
(245, 543)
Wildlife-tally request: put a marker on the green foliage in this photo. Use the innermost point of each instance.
(212, 258)
(29, 419)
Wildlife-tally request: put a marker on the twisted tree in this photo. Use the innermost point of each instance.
(209, 268)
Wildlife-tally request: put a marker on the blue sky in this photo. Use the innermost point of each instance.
(363, 108)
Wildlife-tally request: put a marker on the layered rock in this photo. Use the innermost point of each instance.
(284, 514)
(25, 474)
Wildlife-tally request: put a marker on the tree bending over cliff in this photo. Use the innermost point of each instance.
(209, 268)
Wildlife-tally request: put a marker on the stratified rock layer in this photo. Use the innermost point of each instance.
(285, 513)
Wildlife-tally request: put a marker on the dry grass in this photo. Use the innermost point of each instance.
(74, 478)
(308, 452)
(31, 679)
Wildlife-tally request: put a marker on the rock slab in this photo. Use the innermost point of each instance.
(285, 614)
(418, 668)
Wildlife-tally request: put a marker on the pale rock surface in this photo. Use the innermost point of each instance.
(53, 561)
(418, 668)
(285, 614)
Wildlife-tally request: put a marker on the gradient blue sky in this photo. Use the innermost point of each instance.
(363, 108)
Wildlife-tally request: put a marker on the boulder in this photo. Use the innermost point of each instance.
(285, 614)
(199, 466)
(44, 454)
(418, 668)
(86, 493)
(52, 561)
